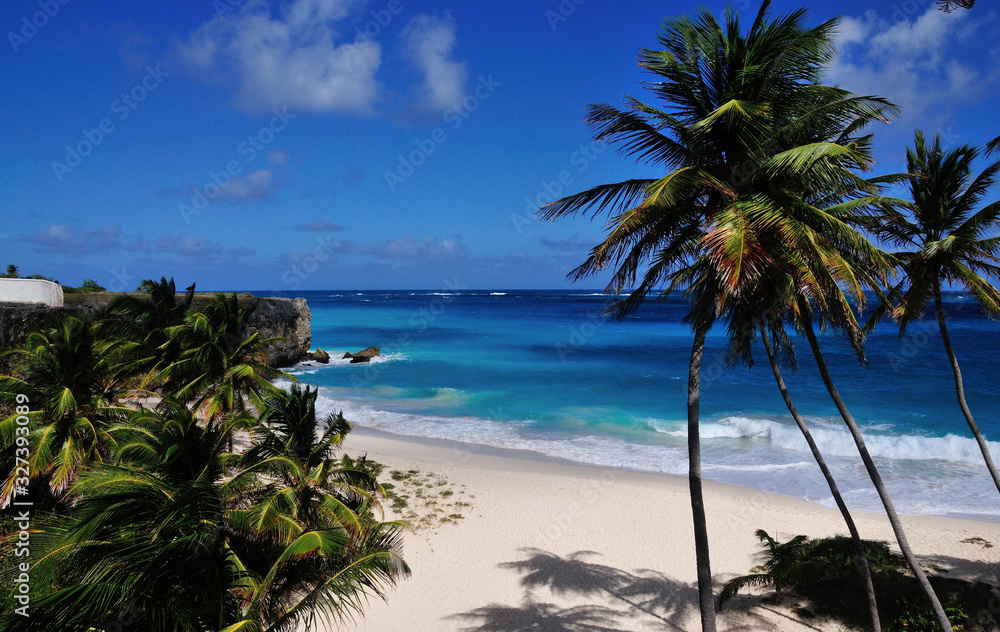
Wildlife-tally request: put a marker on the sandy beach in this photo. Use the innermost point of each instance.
(504, 542)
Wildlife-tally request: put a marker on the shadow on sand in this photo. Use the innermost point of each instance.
(603, 598)
(618, 597)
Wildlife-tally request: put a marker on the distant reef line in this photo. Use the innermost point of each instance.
(285, 318)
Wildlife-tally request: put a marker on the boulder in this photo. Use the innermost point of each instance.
(321, 356)
(365, 355)
(288, 321)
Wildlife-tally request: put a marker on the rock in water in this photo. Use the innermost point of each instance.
(365, 355)
(321, 356)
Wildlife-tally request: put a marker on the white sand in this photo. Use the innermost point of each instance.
(566, 547)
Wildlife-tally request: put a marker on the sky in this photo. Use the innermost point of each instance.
(376, 144)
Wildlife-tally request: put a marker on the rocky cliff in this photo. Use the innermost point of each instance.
(288, 319)
(284, 318)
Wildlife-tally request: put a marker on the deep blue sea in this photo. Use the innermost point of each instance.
(545, 371)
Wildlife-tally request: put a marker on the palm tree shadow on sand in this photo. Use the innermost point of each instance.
(625, 597)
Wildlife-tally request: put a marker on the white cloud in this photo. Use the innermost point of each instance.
(277, 158)
(428, 43)
(291, 59)
(916, 64)
(60, 238)
(319, 225)
(256, 186)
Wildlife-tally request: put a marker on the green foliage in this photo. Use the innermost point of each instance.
(73, 380)
(952, 240)
(785, 566)
(223, 365)
(13, 272)
(824, 572)
(88, 285)
(155, 523)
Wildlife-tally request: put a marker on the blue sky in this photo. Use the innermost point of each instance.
(379, 144)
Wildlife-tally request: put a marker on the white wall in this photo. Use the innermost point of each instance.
(31, 291)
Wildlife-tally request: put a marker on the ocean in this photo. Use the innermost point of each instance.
(546, 371)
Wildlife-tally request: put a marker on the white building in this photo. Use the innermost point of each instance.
(31, 291)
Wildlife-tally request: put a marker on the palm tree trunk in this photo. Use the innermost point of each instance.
(876, 478)
(860, 559)
(706, 597)
(960, 387)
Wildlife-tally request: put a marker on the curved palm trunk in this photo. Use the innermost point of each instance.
(960, 387)
(860, 559)
(706, 598)
(876, 478)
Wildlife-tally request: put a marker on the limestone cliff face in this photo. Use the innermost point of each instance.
(274, 317)
(18, 319)
(284, 318)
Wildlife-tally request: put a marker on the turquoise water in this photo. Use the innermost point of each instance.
(545, 371)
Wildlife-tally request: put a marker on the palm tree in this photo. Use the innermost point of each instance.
(146, 320)
(747, 320)
(950, 5)
(804, 319)
(157, 540)
(746, 129)
(223, 366)
(783, 567)
(292, 449)
(954, 243)
(73, 382)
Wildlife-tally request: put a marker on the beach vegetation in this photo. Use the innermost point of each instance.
(759, 205)
(820, 576)
(950, 240)
(153, 520)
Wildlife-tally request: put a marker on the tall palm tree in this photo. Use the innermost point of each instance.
(746, 321)
(952, 243)
(73, 382)
(805, 323)
(744, 114)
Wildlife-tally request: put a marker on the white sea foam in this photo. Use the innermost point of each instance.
(924, 474)
(337, 361)
(837, 441)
